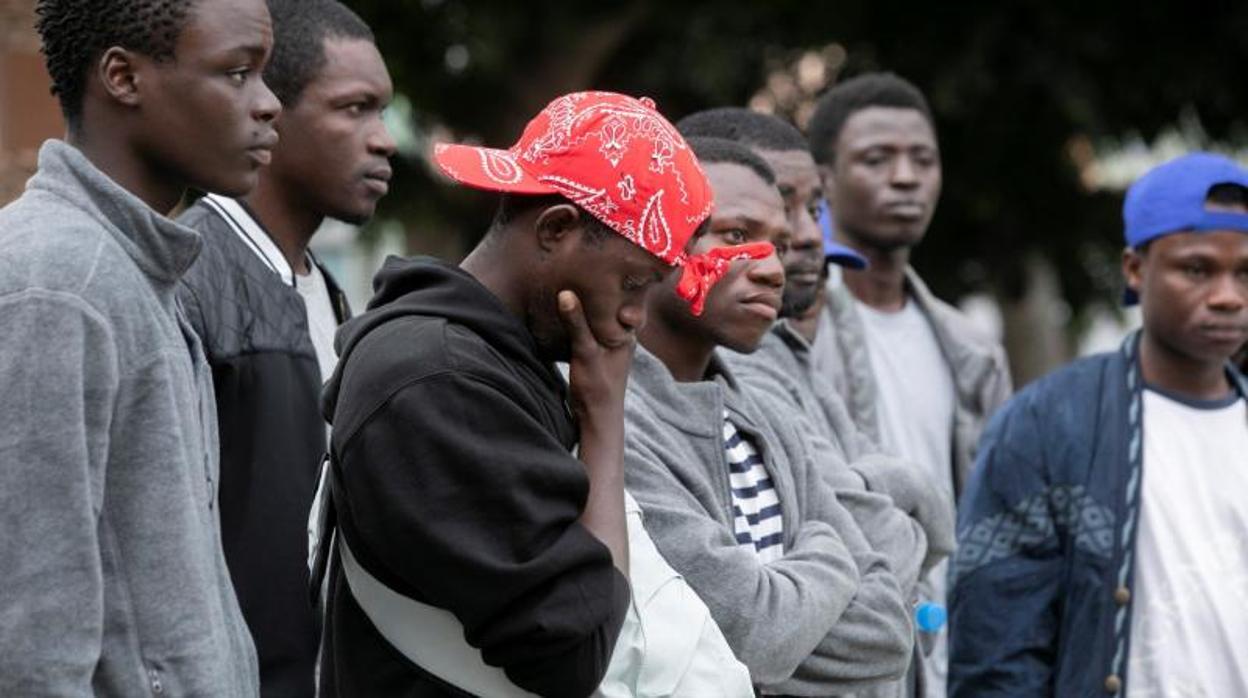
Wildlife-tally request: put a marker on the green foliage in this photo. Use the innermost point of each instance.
(1012, 84)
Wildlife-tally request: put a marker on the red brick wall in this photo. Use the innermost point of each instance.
(28, 112)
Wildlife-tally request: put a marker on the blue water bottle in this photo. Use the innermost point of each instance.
(929, 618)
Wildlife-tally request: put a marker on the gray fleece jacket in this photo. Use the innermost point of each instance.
(981, 377)
(826, 619)
(906, 520)
(113, 578)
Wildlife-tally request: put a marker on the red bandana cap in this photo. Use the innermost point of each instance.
(613, 155)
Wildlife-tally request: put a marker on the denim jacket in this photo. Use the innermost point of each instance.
(1042, 580)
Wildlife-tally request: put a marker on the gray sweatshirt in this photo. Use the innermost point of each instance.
(113, 578)
(828, 617)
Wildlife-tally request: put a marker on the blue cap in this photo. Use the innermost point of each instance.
(833, 251)
(1170, 198)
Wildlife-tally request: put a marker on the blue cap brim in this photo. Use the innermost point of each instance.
(833, 251)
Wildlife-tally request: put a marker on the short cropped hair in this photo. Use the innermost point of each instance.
(711, 150)
(75, 33)
(300, 29)
(750, 128)
(845, 99)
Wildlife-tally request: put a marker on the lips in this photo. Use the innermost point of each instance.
(262, 150)
(378, 179)
(764, 304)
(1225, 334)
(904, 209)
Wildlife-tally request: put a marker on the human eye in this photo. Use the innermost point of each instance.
(239, 76)
(1195, 270)
(734, 236)
(634, 283)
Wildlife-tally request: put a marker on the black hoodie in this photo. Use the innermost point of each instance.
(455, 486)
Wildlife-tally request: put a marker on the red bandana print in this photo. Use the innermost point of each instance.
(613, 155)
(701, 272)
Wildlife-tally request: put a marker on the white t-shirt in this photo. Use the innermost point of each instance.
(916, 409)
(322, 323)
(1189, 620)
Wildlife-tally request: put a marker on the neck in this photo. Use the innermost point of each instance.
(114, 156)
(685, 357)
(487, 263)
(289, 224)
(882, 285)
(807, 323)
(1167, 369)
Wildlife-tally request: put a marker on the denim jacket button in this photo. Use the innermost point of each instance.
(1122, 596)
(1113, 684)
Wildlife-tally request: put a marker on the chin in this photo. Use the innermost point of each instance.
(353, 217)
(234, 187)
(743, 344)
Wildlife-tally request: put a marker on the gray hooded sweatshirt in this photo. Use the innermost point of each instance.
(828, 618)
(113, 578)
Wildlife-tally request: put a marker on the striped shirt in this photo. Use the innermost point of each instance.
(755, 506)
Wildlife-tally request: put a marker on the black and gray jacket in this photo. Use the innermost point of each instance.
(254, 327)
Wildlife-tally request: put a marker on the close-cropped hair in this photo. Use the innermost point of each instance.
(846, 98)
(75, 33)
(512, 205)
(711, 150)
(300, 30)
(1228, 194)
(745, 126)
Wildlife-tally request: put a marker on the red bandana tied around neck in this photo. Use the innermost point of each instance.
(701, 272)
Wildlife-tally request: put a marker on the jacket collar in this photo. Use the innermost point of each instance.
(162, 248)
(695, 407)
(252, 233)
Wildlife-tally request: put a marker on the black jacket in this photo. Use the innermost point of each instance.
(455, 486)
(255, 332)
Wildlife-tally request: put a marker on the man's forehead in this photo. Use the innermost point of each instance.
(740, 190)
(795, 169)
(352, 65)
(234, 22)
(1211, 242)
(887, 125)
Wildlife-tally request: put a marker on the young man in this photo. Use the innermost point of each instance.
(883, 338)
(267, 312)
(912, 525)
(728, 486)
(1100, 542)
(114, 581)
(475, 548)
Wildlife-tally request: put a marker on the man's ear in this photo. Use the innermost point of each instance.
(119, 72)
(826, 178)
(554, 226)
(1132, 268)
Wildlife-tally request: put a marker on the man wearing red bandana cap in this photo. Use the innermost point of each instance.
(477, 499)
(731, 491)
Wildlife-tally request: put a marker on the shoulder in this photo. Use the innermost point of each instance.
(48, 243)
(1058, 412)
(416, 349)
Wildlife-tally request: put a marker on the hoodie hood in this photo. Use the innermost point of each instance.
(426, 286)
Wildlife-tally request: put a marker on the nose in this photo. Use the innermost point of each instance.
(768, 271)
(380, 142)
(905, 174)
(266, 107)
(1228, 295)
(632, 315)
(806, 232)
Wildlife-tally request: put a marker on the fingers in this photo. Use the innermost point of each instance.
(572, 315)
